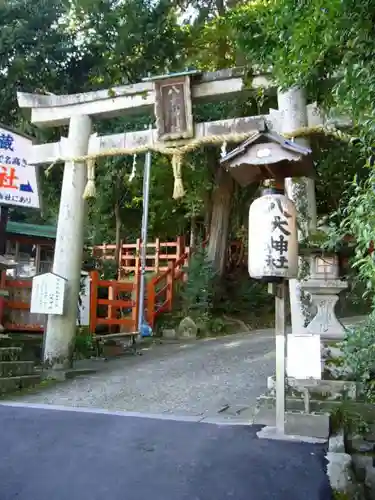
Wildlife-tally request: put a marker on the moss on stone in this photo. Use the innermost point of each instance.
(341, 495)
(34, 389)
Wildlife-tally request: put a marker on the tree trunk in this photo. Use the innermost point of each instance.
(219, 228)
(118, 235)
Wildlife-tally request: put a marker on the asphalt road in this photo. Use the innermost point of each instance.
(73, 455)
(198, 378)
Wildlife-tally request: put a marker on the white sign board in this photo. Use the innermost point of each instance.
(304, 356)
(18, 180)
(48, 293)
(84, 307)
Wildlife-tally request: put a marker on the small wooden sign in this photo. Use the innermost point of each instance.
(173, 108)
(48, 294)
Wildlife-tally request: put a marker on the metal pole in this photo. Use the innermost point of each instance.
(146, 196)
(280, 356)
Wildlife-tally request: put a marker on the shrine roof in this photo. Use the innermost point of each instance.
(270, 136)
(37, 230)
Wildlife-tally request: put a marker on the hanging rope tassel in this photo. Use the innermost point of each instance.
(178, 190)
(90, 189)
(134, 169)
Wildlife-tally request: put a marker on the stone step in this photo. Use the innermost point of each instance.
(16, 368)
(292, 404)
(333, 390)
(12, 384)
(315, 425)
(10, 353)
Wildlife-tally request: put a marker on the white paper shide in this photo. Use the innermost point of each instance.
(273, 241)
(48, 294)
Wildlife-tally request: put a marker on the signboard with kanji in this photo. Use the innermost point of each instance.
(18, 180)
(173, 108)
(273, 242)
(48, 294)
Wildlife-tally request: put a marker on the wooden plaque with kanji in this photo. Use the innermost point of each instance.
(173, 108)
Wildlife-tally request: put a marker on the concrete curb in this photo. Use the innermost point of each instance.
(156, 416)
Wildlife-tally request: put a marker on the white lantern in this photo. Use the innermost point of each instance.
(273, 241)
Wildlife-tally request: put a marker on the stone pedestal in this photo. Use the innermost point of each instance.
(324, 286)
(324, 295)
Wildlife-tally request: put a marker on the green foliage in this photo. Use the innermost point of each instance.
(83, 345)
(347, 418)
(239, 294)
(216, 325)
(359, 355)
(198, 291)
(107, 269)
(327, 49)
(356, 219)
(307, 43)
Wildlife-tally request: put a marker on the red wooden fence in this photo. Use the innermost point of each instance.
(15, 310)
(165, 259)
(161, 288)
(158, 255)
(120, 311)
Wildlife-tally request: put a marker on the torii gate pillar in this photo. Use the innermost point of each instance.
(292, 105)
(60, 332)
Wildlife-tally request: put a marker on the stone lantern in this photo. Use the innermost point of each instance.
(324, 285)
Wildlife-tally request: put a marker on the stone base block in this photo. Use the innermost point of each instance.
(274, 433)
(315, 425)
(16, 383)
(61, 375)
(169, 334)
(339, 471)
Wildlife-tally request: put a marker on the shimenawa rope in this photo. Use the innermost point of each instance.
(177, 153)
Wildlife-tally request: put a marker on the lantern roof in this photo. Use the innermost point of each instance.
(5, 263)
(267, 155)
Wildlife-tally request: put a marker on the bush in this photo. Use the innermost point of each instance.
(83, 345)
(240, 294)
(198, 291)
(359, 355)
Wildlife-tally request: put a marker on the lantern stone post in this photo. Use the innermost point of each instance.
(273, 258)
(67, 262)
(293, 109)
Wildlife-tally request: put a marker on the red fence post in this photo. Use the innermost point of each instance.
(170, 284)
(135, 299)
(151, 303)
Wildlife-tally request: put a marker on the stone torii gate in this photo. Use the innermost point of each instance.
(171, 96)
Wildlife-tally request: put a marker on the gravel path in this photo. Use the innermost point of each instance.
(198, 378)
